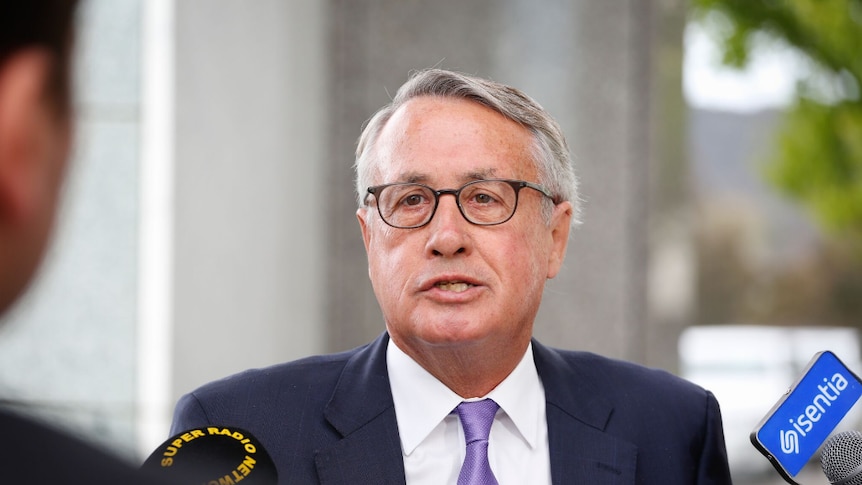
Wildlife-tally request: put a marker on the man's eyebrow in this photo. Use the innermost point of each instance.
(421, 178)
(413, 178)
(480, 174)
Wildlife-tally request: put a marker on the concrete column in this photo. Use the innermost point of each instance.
(246, 279)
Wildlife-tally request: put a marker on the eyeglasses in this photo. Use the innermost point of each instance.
(483, 202)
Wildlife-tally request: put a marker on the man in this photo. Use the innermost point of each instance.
(35, 133)
(466, 194)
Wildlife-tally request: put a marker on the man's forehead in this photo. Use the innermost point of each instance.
(442, 141)
(424, 118)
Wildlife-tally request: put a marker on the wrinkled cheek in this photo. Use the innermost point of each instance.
(529, 285)
(534, 278)
(385, 278)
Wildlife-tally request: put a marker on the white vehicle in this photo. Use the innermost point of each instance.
(749, 368)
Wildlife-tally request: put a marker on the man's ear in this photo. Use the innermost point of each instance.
(561, 224)
(23, 114)
(361, 215)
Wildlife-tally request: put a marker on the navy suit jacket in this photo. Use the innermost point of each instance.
(331, 420)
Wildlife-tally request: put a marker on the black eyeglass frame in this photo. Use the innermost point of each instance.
(516, 185)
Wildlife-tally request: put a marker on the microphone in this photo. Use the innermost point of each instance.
(212, 455)
(841, 458)
(804, 417)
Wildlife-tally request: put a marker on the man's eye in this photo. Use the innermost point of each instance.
(414, 199)
(482, 198)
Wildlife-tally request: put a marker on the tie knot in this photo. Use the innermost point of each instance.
(476, 418)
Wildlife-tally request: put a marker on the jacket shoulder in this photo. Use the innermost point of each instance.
(614, 374)
(247, 398)
(317, 370)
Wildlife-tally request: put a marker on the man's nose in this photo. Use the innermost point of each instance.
(449, 230)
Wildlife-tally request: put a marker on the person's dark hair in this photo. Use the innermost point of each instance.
(47, 24)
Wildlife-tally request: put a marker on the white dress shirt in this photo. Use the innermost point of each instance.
(432, 440)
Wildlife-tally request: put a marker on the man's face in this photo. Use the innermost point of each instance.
(450, 282)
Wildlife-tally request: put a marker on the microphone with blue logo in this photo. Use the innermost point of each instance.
(803, 418)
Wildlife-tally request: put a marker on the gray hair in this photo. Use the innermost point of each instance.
(550, 152)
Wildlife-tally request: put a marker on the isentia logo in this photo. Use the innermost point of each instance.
(830, 390)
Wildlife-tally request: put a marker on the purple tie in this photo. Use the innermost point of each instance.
(476, 419)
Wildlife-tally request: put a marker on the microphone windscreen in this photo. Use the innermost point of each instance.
(213, 454)
(841, 458)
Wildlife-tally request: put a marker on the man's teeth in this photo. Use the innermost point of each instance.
(456, 286)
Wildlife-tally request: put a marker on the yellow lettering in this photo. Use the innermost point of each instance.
(212, 430)
(249, 461)
(226, 480)
(166, 462)
(197, 433)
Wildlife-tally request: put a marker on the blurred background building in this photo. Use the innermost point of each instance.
(210, 219)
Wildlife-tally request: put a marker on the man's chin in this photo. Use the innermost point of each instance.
(454, 336)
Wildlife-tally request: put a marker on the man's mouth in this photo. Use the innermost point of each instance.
(456, 286)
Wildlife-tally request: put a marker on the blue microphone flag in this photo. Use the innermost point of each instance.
(803, 418)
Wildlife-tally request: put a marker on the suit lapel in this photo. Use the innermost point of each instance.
(362, 411)
(581, 451)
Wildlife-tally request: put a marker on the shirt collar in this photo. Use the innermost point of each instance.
(522, 397)
(422, 401)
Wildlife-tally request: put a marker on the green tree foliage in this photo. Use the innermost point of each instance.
(818, 159)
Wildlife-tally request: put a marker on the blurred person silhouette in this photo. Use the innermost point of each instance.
(36, 38)
(467, 193)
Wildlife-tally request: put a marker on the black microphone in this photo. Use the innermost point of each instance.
(841, 458)
(212, 454)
